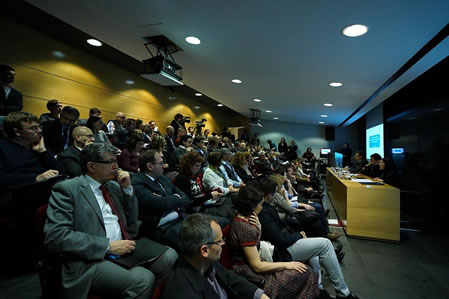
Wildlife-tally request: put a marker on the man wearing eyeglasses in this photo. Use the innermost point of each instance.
(23, 156)
(58, 133)
(95, 215)
(161, 204)
(70, 157)
(197, 272)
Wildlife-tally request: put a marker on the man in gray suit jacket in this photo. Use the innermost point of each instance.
(92, 216)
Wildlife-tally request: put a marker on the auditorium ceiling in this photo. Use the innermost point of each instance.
(285, 52)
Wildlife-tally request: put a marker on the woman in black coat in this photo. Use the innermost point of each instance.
(283, 148)
(388, 173)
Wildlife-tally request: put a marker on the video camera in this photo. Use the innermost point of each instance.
(199, 125)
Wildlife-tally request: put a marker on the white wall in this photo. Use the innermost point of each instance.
(306, 135)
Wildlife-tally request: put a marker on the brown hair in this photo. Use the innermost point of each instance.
(187, 161)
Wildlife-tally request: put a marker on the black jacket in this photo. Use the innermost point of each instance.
(184, 183)
(185, 281)
(70, 157)
(52, 133)
(13, 103)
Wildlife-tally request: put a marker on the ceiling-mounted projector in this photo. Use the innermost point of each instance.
(254, 119)
(161, 67)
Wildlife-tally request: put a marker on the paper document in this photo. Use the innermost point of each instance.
(362, 180)
(332, 221)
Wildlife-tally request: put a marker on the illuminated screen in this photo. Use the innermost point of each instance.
(325, 151)
(375, 141)
(338, 159)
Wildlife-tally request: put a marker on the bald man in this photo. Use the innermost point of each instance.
(117, 124)
(170, 138)
(70, 157)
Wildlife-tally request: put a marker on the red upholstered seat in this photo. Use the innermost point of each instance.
(225, 258)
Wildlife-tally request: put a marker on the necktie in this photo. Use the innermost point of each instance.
(164, 192)
(108, 199)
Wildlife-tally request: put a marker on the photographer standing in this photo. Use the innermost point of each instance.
(178, 122)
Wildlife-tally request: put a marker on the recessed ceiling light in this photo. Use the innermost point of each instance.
(220, 105)
(198, 94)
(321, 122)
(58, 54)
(94, 42)
(328, 105)
(355, 30)
(268, 111)
(130, 82)
(257, 100)
(196, 107)
(237, 81)
(193, 40)
(275, 117)
(437, 109)
(336, 84)
(323, 115)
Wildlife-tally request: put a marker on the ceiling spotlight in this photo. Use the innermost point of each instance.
(336, 84)
(198, 94)
(130, 82)
(237, 81)
(58, 54)
(321, 122)
(323, 115)
(268, 111)
(275, 117)
(437, 109)
(94, 42)
(196, 107)
(328, 105)
(220, 105)
(193, 40)
(257, 100)
(355, 30)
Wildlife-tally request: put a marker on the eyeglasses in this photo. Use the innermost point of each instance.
(88, 135)
(33, 128)
(158, 163)
(107, 162)
(219, 242)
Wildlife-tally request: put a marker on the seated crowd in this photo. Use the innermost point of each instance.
(125, 186)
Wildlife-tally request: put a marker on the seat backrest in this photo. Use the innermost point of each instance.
(225, 258)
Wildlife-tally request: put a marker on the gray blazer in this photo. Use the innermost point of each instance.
(75, 229)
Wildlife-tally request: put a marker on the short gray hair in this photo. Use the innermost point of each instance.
(196, 231)
(95, 152)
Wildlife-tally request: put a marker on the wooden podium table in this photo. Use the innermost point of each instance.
(366, 211)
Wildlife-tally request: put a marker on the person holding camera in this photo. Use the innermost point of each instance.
(178, 122)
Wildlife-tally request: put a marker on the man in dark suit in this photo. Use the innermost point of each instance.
(10, 98)
(23, 156)
(359, 162)
(58, 133)
(121, 135)
(161, 204)
(169, 139)
(198, 273)
(178, 123)
(70, 157)
(95, 215)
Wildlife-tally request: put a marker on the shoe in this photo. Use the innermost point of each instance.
(340, 256)
(333, 236)
(326, 212)
(350, 296)
(325, 295)
(338, 248)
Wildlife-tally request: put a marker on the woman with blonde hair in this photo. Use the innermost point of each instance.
(241, 166)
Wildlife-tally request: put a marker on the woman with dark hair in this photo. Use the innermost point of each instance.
(241, 166)
(283, 148)
(96, 124)
(129, 158)
(283, 279)
(214, 178)
(291, 152)
(388, 173)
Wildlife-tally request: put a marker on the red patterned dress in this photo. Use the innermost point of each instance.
(283, 284)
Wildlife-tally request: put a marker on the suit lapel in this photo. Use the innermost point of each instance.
(89, 196)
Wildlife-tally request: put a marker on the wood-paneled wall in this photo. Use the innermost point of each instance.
(81, 80)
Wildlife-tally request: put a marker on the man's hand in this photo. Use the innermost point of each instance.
(121, 247)
(216, 194)
(263, 296)
(307, 207)
(123, 178)
(309, 189)
(40, 146)
(303, 234)
(46, 175)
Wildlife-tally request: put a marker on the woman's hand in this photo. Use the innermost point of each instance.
(307, 207)
(303, 234)
(300, 267)
(216, 194)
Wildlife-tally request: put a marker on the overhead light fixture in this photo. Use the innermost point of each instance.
(237, 81)
(437, 109)
(275, 117)
(193, 40)
(257, 100)
(328, 105)
(171, 77)
(336, 84)
(196, 107)
(198, 94)
(130, 82)
(355, 30)
(94, 42)
(58, 54)
(323, 115)
(268, 111)
(321, 122)
(220, 105)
